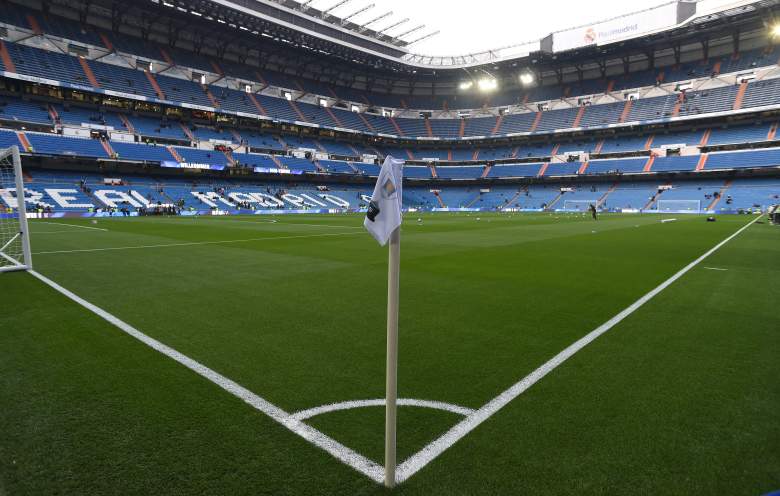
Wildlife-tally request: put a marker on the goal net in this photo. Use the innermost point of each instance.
(680, 206)
(14, 237)
(578, 205)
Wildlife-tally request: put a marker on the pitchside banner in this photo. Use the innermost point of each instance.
(187, 165)
(621, 28)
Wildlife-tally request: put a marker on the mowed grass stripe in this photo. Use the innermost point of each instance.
(313, 311)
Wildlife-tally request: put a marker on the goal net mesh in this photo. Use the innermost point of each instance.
(11, 236)
(679, 206)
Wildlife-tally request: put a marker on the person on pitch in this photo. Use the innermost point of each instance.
(593, 212)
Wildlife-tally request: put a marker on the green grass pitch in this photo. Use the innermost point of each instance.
(682, 397)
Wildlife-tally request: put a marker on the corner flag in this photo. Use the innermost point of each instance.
(383, 221)
(384, 211)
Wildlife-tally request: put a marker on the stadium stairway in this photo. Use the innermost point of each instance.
(174, 154)
(6, 58)
(537, 120)
(720, 196)
(462, 130)
(88, 73)
(107, 147)
(653, 200)
(497, 127)
(543, 169)
(770, 136)
(511, 200)
(605, 195)
(155, 86)
(702, 162)
(626, 110)
(257, 105)
(278, 163)
(678, 104)
(583, 168)
(649, 164)
(229, 155)
(26, 146)
(106, 42)
(439, 199)
(188, 132)
(475, 200)
(53, 113)
(434, 173)
(126, 121)
(333, 116)
(397, 127)
(486, 171)
(740, 96)
(554, 201)
(368, 124)
(297, 111)
(705, 138)
(210, 96)
(578, 118)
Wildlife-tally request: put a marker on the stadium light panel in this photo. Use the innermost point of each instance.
(487, 84)
(466, 85)
(776, 30)
(526, 78)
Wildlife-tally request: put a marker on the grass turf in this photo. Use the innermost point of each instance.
(680, 398)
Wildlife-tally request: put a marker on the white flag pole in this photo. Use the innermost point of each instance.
(391, 390)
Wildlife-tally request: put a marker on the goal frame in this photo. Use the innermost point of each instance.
(21, 211)
(680, 210)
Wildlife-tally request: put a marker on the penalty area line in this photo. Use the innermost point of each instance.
(426, 455)
(349, 457)
(194, 243)
(67, 225)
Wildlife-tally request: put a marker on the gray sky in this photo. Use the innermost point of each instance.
(475, 25)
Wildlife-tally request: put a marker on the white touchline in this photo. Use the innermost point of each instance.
(369, 468)
(426, 455)
(195, 243)
(68, 225)
(715, 268)
(349, 405)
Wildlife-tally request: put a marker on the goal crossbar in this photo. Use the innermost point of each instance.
(15, 251)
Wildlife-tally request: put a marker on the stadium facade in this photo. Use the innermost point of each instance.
(262, 106)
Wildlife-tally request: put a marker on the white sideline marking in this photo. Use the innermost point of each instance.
(715, 268)
(426, 455)
(57, 232)
(68, 225)
(371, 469)
(664, 221)
(195, 243)
(349, 405)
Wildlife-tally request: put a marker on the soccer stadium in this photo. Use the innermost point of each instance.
(557, 262)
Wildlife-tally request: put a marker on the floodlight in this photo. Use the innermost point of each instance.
(527, 78)
(487, 84)
(466, 85)
(776, 30)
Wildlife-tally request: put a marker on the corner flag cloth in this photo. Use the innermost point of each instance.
(384, 210)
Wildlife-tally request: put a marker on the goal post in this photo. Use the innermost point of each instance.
(578, 205)
(680, 206)
(15, 251)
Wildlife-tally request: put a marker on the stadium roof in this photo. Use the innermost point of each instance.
(668, 17)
